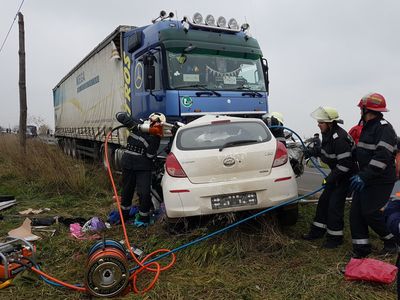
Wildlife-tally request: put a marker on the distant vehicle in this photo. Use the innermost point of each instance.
(31, 131)
(221, 164)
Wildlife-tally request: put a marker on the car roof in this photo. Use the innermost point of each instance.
(207, 119)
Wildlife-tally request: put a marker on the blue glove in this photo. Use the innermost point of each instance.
(356, 183)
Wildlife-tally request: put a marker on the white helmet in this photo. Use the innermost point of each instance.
(157, 117)
(275, 114)
(326, 114)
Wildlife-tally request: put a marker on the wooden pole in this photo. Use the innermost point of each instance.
(22, 84)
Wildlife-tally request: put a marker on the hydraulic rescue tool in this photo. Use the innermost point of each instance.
(11, 253)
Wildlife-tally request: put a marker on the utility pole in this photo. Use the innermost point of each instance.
(22, 84)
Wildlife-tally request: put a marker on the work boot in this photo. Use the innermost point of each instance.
(332, 243)
(141, 221)
(389, 247)
(315, 233)
(361, 252)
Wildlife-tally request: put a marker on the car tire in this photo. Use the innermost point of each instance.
(176, 225)
(288, 215)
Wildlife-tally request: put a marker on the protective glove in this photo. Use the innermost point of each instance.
(356, 183)
(125, 119)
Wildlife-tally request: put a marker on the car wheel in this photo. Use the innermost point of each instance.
(176, 225)
(288, 215)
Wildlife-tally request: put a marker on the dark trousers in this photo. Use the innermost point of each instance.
(330, 210)
(141, 180)
(366, 212)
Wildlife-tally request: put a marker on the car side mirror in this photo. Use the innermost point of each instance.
(266, 70)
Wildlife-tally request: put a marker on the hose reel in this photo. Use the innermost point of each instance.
(107, 270)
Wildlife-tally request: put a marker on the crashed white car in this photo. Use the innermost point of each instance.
(221, 164)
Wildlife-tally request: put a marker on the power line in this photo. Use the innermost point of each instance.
(12, 24)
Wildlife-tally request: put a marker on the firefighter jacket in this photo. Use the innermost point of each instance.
(335, 151)
(140, 151)
(375, 152)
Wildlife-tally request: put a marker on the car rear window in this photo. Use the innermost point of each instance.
(216, 135)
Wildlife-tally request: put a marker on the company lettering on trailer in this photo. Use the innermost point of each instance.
(127, 83)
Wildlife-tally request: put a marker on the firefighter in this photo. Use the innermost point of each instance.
(335, 151)
(275, 119)
(392, 218)
(373, 184)
(137, 165)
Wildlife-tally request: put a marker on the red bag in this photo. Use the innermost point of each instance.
(355, 132)
(370, 270)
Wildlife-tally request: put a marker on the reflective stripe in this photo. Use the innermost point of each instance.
(386, 145)
(334, 232)
(342, 168)
(132, 153)
(335, 136)
(388, 237)
(125, 207)
(360, 241)
(377, 164)
(320, 225)
(366, 146)
(327, 154)
(343, 155)
(150, 155)
(145, 143)
(143, 214)
(384, 122)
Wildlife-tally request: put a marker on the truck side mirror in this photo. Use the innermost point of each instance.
(149, 72)
(266, 69)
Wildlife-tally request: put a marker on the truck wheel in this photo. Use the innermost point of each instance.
(74, 153)
(110, 156)
(288, 215)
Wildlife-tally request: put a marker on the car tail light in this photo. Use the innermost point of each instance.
(173, 166)
(281, 155)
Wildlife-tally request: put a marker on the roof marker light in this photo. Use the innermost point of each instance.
(221, 22)
(245, 26)
(233, 24)
(197, 18)
(210, 20)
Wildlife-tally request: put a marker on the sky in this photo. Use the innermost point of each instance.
(320, 53)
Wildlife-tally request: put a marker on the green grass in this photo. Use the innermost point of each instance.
(256, 261)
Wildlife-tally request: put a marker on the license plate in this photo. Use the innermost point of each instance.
(233, 200)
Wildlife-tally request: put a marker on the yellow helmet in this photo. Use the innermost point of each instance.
(326, 114)
(275, 114)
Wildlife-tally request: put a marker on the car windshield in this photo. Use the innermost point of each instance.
(222, 135)
(222, 71)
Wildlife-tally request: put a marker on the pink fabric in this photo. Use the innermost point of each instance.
(370, 269)
(76, 232)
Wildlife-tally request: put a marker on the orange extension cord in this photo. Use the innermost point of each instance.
(142, 263)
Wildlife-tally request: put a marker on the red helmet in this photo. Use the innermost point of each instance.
(374, 102)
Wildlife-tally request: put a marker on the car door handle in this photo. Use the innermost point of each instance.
(207, 93)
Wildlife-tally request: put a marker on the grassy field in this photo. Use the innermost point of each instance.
(259, 260)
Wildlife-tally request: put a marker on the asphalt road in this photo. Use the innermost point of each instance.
(312, 179)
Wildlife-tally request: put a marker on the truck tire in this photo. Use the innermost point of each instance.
(74, 152)
(288, 215)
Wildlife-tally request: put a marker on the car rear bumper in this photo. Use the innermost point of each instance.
(184, 199)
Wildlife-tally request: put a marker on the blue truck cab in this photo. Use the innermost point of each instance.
(185, 69)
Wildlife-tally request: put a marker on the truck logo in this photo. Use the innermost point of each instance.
(229, 162)
(138, 75)
(187, 101)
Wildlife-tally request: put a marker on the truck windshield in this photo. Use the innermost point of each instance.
(215, 71)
